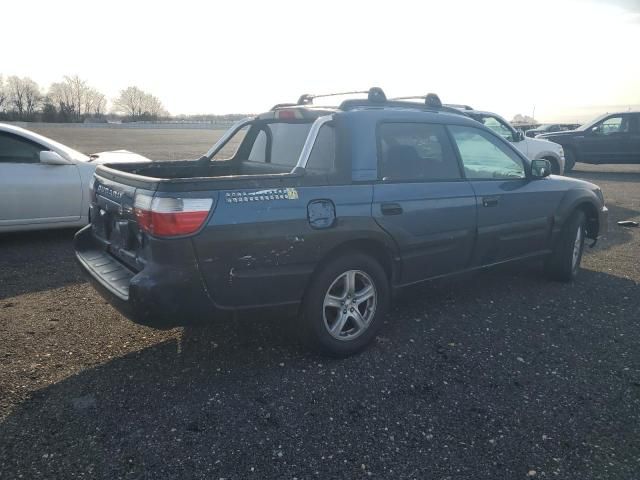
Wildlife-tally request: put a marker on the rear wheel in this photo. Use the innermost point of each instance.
(564, 262)
(345, 305)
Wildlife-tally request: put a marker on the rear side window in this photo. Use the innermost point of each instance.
(287, 142)
(14, 149)
(229, 150)
(416, 151)
(322, 159)
(484, 156)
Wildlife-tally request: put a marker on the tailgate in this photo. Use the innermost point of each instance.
(113, 221)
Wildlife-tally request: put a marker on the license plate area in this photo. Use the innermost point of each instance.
(109, 225)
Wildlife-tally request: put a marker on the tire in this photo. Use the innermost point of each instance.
(564, 262)
(569, 160)
(555, 167)
(345, 305)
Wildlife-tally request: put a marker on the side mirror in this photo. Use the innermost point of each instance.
(49, 157)
(519, 135)
(540, 168)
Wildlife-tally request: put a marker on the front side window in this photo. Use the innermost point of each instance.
(416, 151)
(14, 149)
(612, 125)
(485, 157)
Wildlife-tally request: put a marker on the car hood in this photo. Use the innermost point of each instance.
(116, 156)
(565, 133)
(541, 143)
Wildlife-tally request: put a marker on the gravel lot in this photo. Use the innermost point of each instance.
(498, 375)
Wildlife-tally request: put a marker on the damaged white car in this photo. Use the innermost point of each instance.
(44, 184)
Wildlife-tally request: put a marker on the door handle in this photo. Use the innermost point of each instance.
(490, 201)
(391, 208)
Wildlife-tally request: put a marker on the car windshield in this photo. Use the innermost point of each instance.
(590, 124)
(495, 124)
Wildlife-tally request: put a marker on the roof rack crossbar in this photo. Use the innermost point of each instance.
(458, 105)
(430, 99)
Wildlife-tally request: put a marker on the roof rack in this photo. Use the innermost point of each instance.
(430, 99)
(374, 95)
(457, 105)
(376, 98)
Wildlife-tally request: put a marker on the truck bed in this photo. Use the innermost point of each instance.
(185, 175)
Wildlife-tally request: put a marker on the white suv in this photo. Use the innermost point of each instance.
(533, 148)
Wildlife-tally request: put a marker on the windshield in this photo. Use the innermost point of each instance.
(496, 124)
(590, 124)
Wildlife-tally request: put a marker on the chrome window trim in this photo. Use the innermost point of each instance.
(311, 140)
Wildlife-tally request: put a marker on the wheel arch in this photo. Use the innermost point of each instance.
(585, 201)
(374, 248)
(593, 221)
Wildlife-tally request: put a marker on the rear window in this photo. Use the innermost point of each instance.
(277, 143)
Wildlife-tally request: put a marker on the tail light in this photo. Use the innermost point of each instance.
(168, 216)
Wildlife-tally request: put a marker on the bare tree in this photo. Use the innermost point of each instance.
(95, 102)
(74, 98)
(129, 102)
(61, 96)
(23, 96)
(3, 94)
(135, 103)
(32, 96)
(152, 106)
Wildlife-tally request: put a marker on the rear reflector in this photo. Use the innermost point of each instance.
(169, 217)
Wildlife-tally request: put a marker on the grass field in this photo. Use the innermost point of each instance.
(156, 144)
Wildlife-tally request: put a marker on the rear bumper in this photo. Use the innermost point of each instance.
(159, 296)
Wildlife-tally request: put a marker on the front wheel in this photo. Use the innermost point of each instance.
(555, 166)
(345, 305)
(569, 160)
(564, 262)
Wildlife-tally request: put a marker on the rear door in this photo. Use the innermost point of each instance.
(515, 213)
(34, 193)
(422, 200)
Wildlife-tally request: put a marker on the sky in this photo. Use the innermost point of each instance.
(569, 59)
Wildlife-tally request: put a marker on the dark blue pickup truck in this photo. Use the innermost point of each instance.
(326, 212)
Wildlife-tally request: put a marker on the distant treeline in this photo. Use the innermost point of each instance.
(73, 100)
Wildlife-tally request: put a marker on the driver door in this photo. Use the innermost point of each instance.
(34, 193)
(607, 141)
(515, 213)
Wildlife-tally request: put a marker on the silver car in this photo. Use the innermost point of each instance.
(44, 184)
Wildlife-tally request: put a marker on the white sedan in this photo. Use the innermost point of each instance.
(44, 184)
